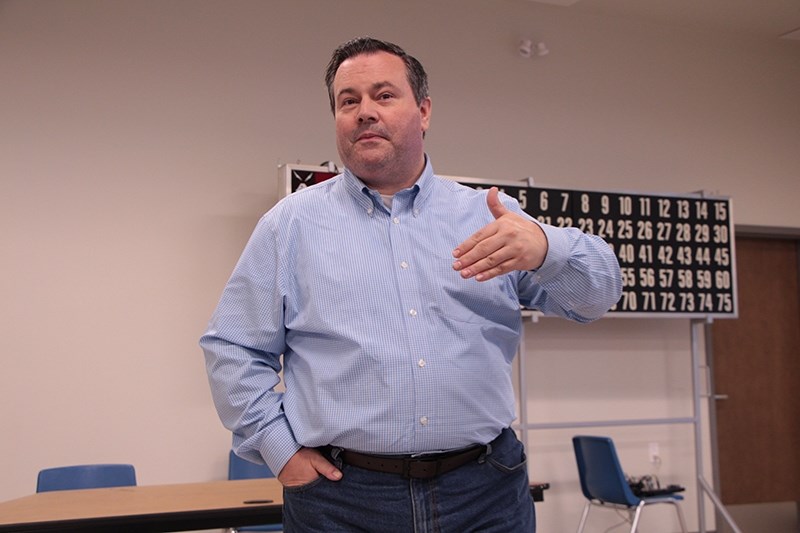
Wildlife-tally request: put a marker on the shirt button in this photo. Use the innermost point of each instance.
(412, 312)
(369, 211)
(416, 212)
(396, 220)
(424, 420)
(403, 265)
(421, 363)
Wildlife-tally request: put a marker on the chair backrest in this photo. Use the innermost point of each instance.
(86, 477)
(600, 472)
(239, 468)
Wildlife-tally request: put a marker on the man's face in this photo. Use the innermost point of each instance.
(379, 124)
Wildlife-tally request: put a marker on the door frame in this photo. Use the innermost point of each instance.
(753, 232)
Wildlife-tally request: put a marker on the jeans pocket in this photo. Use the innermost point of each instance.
(509, 460)
(304, 487)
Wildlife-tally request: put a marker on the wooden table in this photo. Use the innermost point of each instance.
(155, 508)
(147, 508)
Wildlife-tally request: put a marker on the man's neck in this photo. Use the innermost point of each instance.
(387, 185)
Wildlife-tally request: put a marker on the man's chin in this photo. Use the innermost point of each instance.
(363, 165)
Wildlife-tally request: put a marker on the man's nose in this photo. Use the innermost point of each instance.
(367, 111)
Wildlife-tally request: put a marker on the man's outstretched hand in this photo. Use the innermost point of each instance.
(510, 242)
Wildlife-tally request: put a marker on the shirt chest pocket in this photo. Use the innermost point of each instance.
(468, 300)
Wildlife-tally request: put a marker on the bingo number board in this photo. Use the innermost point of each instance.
(676, 252)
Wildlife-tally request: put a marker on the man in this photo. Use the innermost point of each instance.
(394, 298)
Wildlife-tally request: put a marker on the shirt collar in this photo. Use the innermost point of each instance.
(370, 199)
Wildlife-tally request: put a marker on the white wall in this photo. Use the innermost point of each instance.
(617, 369)
(139, 143)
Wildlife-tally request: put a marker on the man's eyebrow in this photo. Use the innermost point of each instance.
(382, 85)
(374, 87)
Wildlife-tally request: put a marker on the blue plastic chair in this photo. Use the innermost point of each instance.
(239, 468)
(86, 477)
(603, 482)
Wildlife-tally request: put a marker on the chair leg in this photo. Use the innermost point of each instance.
(584, 516)
(680, 517)
(636, 516)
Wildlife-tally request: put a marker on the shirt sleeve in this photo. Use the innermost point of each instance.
(242, 346)
(580, 278)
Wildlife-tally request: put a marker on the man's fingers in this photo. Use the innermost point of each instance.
(494, 272)
(494, 259)
(479, 246)
(476, 238)
(305, 466)
(497, 209)
(324, 467)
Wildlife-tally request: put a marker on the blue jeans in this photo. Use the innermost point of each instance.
(487, 495)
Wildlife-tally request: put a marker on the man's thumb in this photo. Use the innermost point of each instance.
(324, 467)
(493, 201)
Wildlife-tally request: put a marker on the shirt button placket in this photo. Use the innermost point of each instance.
(408, 280)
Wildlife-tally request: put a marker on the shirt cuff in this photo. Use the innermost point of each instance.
(279, 446)
(558, 253)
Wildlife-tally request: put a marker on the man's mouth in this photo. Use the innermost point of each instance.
(369, 136)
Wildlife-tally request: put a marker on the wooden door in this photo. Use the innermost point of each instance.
(757, 365)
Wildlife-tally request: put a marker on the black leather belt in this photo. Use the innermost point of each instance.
(418, 467)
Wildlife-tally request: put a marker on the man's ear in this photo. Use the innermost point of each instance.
(425, 113)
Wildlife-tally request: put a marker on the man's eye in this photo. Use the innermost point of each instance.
(385, 96)
(348, 101)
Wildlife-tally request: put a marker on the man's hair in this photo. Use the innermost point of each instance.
(417, 77)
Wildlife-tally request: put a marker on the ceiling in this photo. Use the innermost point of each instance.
(767, 19)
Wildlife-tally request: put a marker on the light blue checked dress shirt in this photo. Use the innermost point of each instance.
(386, 348)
